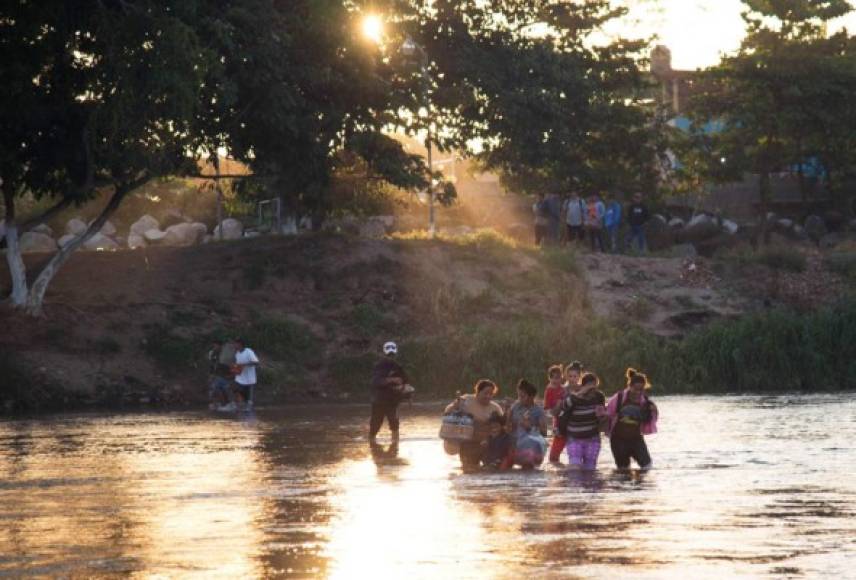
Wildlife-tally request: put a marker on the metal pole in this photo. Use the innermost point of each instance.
(219, 196)
(431, 225)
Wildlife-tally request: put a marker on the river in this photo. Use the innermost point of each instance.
(742, 487)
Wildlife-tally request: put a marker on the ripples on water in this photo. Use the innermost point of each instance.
(742, 487)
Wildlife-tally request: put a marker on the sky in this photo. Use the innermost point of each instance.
(696, 31)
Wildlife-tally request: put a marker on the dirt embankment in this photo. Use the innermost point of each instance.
(133, 327)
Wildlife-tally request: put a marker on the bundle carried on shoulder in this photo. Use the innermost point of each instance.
(457, 426)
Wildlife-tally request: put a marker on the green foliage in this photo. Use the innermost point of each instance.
(368, 319)
(561, 259)
(779, 102)
(768, 351)
(779, 258)
(843, 263)
(173, 353)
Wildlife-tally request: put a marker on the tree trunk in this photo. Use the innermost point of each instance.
(17, 269)
(765, 191)
(36, 297)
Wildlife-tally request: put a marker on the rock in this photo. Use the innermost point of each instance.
(144, 224)
(31, 242)
(184, 234)
(835, 220)
(65, 240)
(154, 236)
(831, 240)
(100, 242)
(253, 234)
(75, 226)
(208, 239)
(172, 217)
(136, 241)
(43, 229)
(659, 235)
(783, 225)
(771, 216)
(700, 228)
(387, 220)
(683, 251)
(815, 227)
(372, 229)
(108, 229)
(710, 246)
(232, 229)
(730, 226)
(662, 219)
(676, 223)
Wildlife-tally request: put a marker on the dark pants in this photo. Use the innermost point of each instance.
(637, 234)
(623, 450)
(575, 234)
(540, 234)
(596, 238)
(384, 409)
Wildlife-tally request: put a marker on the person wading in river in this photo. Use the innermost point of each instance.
(390, 385)
(631, 416)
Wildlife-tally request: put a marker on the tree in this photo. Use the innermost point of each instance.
(526, 80)
(767, 99)
(100, 96)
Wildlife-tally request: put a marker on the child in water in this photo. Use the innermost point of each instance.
(527, 424)
(632, 415)
(498, 454)
(554, 393)
(582, 413)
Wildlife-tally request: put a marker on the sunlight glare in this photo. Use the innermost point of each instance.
(373, 28)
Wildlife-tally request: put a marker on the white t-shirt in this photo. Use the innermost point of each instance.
(248, 375)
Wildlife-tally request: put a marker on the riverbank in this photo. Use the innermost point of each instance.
(131, 329)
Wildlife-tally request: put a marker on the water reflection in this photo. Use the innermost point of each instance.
(299, 492)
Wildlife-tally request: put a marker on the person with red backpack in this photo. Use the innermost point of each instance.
(632, 415)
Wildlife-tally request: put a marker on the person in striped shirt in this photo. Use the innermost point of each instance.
(582, 414)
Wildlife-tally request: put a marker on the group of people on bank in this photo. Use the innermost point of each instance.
(574, 412)
(575, 220)
(232, 375)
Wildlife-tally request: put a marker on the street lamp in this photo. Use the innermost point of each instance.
(410, 48)
(372, 28)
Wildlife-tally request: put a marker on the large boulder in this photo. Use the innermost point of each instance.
(100, 242)
(184, 234)
(730, 227)
(43, 229)
(66, 240)
(701, 227)
(154, 236)
(32, 242)
(815, 227)
(172, 217)
(676, 223)
(232, 229)
(658, 234)
(108, 229)
(144, 224)
(75, 227)
(136, 241)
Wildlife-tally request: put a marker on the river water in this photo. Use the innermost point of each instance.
(742, 487)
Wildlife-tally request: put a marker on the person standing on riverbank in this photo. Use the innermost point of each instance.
(246, 362)
(388, 382)
(637, 217)
(632, 415)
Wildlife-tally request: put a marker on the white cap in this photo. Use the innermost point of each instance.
(390, 348)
